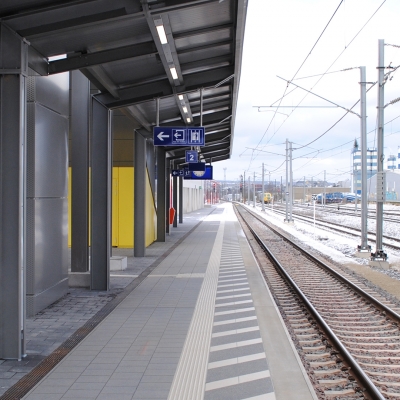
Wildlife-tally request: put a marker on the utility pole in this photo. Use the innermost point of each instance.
(291, 182)
(363, 250)
(287, 181)
(263, 190)
(254, 189)
(244, 187)
(248, 192)
(324, 198)
(224, 188)
(379, 257)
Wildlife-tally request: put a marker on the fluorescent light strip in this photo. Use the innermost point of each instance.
(173, 72)
(161, 34)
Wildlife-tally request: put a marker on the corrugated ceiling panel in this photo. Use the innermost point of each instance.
(208, 38)
(132, 71)
(204, 54)
(210, 14)
(100, 36)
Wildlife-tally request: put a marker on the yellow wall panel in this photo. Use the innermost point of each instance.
(125, 207)
(150, 221)
(115, 207)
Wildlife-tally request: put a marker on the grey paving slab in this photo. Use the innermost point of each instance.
(137, 350)
(157, 307)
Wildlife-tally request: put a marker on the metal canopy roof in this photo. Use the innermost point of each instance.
(116, 44)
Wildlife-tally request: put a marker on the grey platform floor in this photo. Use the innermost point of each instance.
(200, 325)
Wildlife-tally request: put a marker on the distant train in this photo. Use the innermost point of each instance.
(267, 198)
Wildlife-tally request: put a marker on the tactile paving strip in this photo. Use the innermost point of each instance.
(237, 367)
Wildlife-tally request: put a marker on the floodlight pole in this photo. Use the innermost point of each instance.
(363, 248)
(379, 255)
(262, 194)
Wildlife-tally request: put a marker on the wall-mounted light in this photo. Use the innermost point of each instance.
(173, 72)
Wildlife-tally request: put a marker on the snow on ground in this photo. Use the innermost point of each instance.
(338, 247)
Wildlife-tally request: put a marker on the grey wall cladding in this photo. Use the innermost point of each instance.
(47, 179)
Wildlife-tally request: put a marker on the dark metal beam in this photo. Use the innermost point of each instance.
(72, 23)
(102, 57)
(162, 88)
(37, 61)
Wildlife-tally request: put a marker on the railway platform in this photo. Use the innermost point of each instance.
(199, 323)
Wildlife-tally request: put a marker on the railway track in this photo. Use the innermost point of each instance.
(346, 332)
(389, 216)
(389, 241)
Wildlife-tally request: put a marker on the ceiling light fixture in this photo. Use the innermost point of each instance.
(173, 72)
(184, 109)
(161, 34)
(180, 96)
(188, 119)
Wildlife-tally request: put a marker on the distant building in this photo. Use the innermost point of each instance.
(372, 165)
(391, 162)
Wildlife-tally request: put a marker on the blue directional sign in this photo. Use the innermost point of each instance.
(206, 175)
(191, 156)
(178, 172)
(178, 136)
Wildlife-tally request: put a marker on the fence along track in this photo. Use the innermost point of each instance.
(363, 331)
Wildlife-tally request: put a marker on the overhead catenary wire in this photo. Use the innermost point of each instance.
(340, 54)
(308, 55)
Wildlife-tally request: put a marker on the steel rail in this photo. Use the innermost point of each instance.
(382, 307)
(326, 224)
(362, 377)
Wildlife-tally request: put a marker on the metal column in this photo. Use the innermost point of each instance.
(139, 229)
(175, 200)
(291, 182)
(180, 199)
(263, 190)
(168, 195)
(13, 75)
(80, 105)
(101, 171)
(364, 199)
(287, 182)
(380, 176)
(161, 194)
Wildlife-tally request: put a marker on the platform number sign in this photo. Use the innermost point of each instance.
(314, 197)
(191, 156)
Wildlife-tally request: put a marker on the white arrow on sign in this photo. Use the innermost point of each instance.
(161, 136)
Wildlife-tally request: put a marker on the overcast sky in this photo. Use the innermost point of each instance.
(279, 37)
